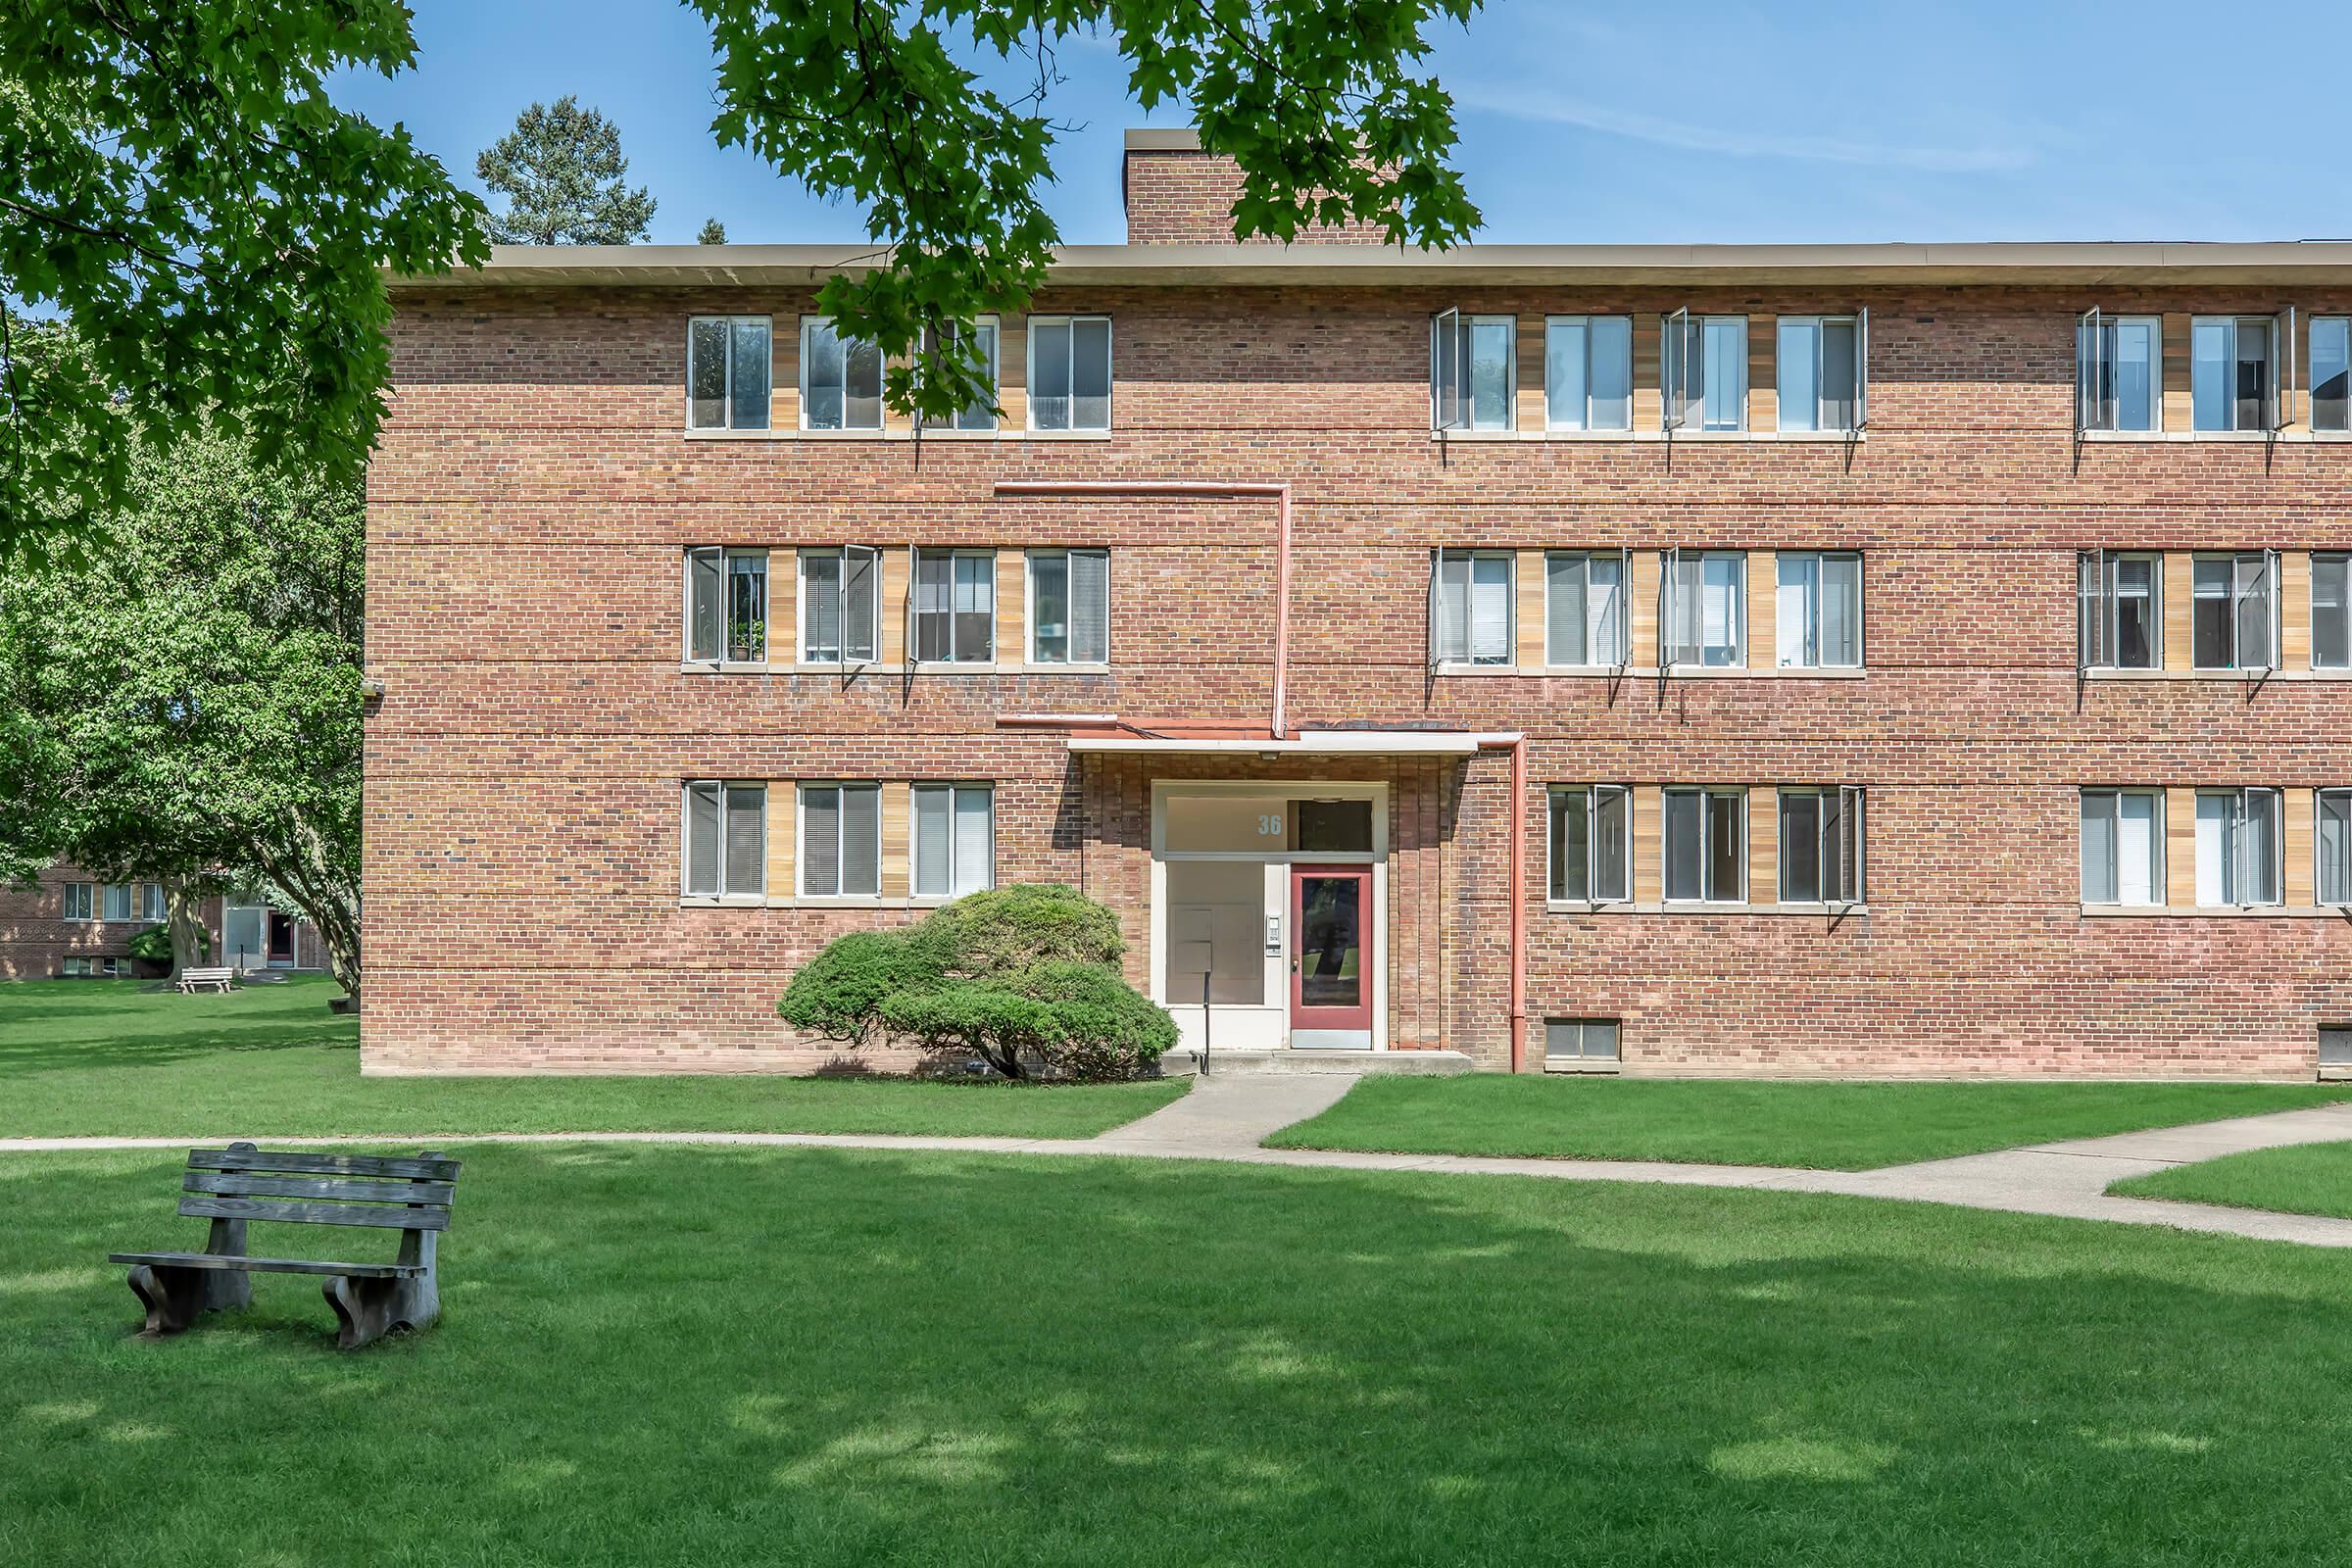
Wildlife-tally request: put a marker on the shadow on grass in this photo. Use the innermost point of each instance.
(823, 1358)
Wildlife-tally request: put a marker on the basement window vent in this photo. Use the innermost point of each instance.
(1580, 1045)
(2335, 1046)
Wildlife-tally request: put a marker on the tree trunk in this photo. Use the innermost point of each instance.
(183, 920)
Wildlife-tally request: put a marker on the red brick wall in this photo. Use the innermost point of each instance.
(35, 939)
(534, 491)
(1186, 198)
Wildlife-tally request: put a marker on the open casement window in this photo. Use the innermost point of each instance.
(1591, 843)
(725, 840)
(2333, 843)
(2331, 611)
(954, 606)
(841, 379)
(1705, 842)
(1703, 607)
(1824, 372)
(2237, 847)
(2119, 370)
(2123, 847)
(1069, 372)
(1821, 844)
(726, 605)
(1702, 369)
(840, 840)
(981, 413)
(2235, 611)
(1818, 610)
(841, 606)
(1584, 619)
(728, 360)
(1472, 370)
(954, 840)
(1589, 372)
(1070, 606)
(2332, 373)
(2237, 365)
(1472, 602)
(2119, 598)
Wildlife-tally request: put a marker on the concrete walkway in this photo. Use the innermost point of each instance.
(1226, 1118)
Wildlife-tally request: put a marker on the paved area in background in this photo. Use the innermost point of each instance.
(1225, 1118)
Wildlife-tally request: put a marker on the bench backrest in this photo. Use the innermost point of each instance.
(242, 1182)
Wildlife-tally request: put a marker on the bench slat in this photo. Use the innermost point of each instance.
(287, 1211)
(429, 1170)
(237, 1185)
(271, 1266)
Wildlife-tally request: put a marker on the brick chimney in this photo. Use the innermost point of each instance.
(1176, 194)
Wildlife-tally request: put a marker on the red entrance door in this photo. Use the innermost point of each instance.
(1330, 957)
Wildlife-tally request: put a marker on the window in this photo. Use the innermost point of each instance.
(2336, 1047)
(954, 840)
(727, 371)
(1572, 1040)
(1470, 607)
(2235, 613)
(980, 414)
(726, 840)
(1591, 843)
(151, 900)
(2331, 611)
(840, 840)
(2118, 369)
(954, 606)
(841, 605)
(2119, 609)
(2334, 845)
(1706, 846)
(1069, 372)
(1819, 609)
(2123, 847)
(1473, 370)
(840, 381)
(1707, 608)
(82, 900)
(2237, 847)
(2332, 373)
(118, 896)
(2233, 372)
(1702, 366)
(726, 605)
(1823, 371)
(1583, 609)
(1821, 845)
(1070, 606)
(1589, 372)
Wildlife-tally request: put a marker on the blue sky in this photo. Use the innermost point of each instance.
(1598, 122)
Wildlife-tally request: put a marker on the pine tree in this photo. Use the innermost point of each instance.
(713, 232)
(561, 171)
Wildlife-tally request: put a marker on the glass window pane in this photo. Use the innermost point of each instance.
(934, 841)
(1452, 630)
(1491, 609)
(2131, 370)
(820, 606)
(1049, 596)
(2099, 847)
(2336, 845)
(2252, 389)
(1685, 846)
(1838, 376)
(2254, 613)
(1604, 609)
(1724, 860)
(975, 609)
(1726, 349)
(702, 840)
(2217, 825)
(934, 599)
(1332, 827)
(1840, 611)
(703, 588)
(746, 839)
(1567, 385)
(1609, 370)
(820, 840)
(1796, 608)
(2135, 849)
(2331, 611)
(2258, 848)
(747, 376)
(2332, 373)
(1800, 846)
(2211, 357)
(1612, 819)
(861, 374)
(2214, 643)
(1566, 587)
(1090, 373)
(861, 840)
(2135, 613)
(747, 607)
(863, 601)
(1089, 606)
(981, 413)
(1571, 844)
(1490, 373)
(976, 840)
(1800, 372)
(1719, 610)
(707, 373)
(1050, 373)
(820, 376)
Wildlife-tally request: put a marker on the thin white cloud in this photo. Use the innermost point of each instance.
(1525, 103)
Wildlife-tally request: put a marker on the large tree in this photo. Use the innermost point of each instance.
(176, 181)
(1321, 103)
(182, 701)
(564, 178)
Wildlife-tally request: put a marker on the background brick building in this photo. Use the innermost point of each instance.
(537, 509)
(74, 923)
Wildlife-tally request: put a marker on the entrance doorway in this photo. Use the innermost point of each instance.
(1330, 994)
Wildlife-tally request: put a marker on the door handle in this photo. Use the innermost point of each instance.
(1294, 963)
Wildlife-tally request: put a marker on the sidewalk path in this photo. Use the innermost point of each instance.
(1225, 1118)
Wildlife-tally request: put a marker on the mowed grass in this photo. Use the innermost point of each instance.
(2306, 1179)
(1824, 1126)
(92, 1057)
(818, 1357)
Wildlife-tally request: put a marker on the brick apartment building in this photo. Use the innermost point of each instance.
(72, 924)
(1798, 658)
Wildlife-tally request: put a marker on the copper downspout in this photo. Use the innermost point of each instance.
(1279, 727)
(1517, 745)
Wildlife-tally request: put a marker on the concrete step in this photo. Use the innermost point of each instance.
(1184, 1062)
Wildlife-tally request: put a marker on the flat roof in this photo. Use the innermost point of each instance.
(2090, 263)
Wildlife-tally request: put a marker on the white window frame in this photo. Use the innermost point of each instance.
(1811, 621)
(1584, 1060)
(152, 908)
(2339, 326)
(2339, 561)
(2240, 848)
(914, 838)
(1450, 407)
(1810, 328)
(1590, 794)
(1620, 656)
(79, 903)
(1110, 379)
(992, 330)
(124, 895)
(1681, 336)
(725, 557)
(915, 610)
(1840, 857)
(1713, 798)
(2319, 872)
(1437, 607)
(1029, 617)
(801, 818)
(810, 324)
(728, 373)
(1670, 604)
(2277, 399)
(2112, 796)
(725, 893)
(2237, 598)
(2091, 375)
(847, 657)
(1553, 399)
(2099, 607)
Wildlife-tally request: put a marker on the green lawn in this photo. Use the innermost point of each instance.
(2306, 1179)
(1825, 1126)
(819, 1357)
(88, 1057)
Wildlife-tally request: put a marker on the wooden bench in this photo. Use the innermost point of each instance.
(238, 1183)
(192, 981)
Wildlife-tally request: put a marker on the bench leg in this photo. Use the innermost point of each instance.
(365, 1310)
(175, 1298)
